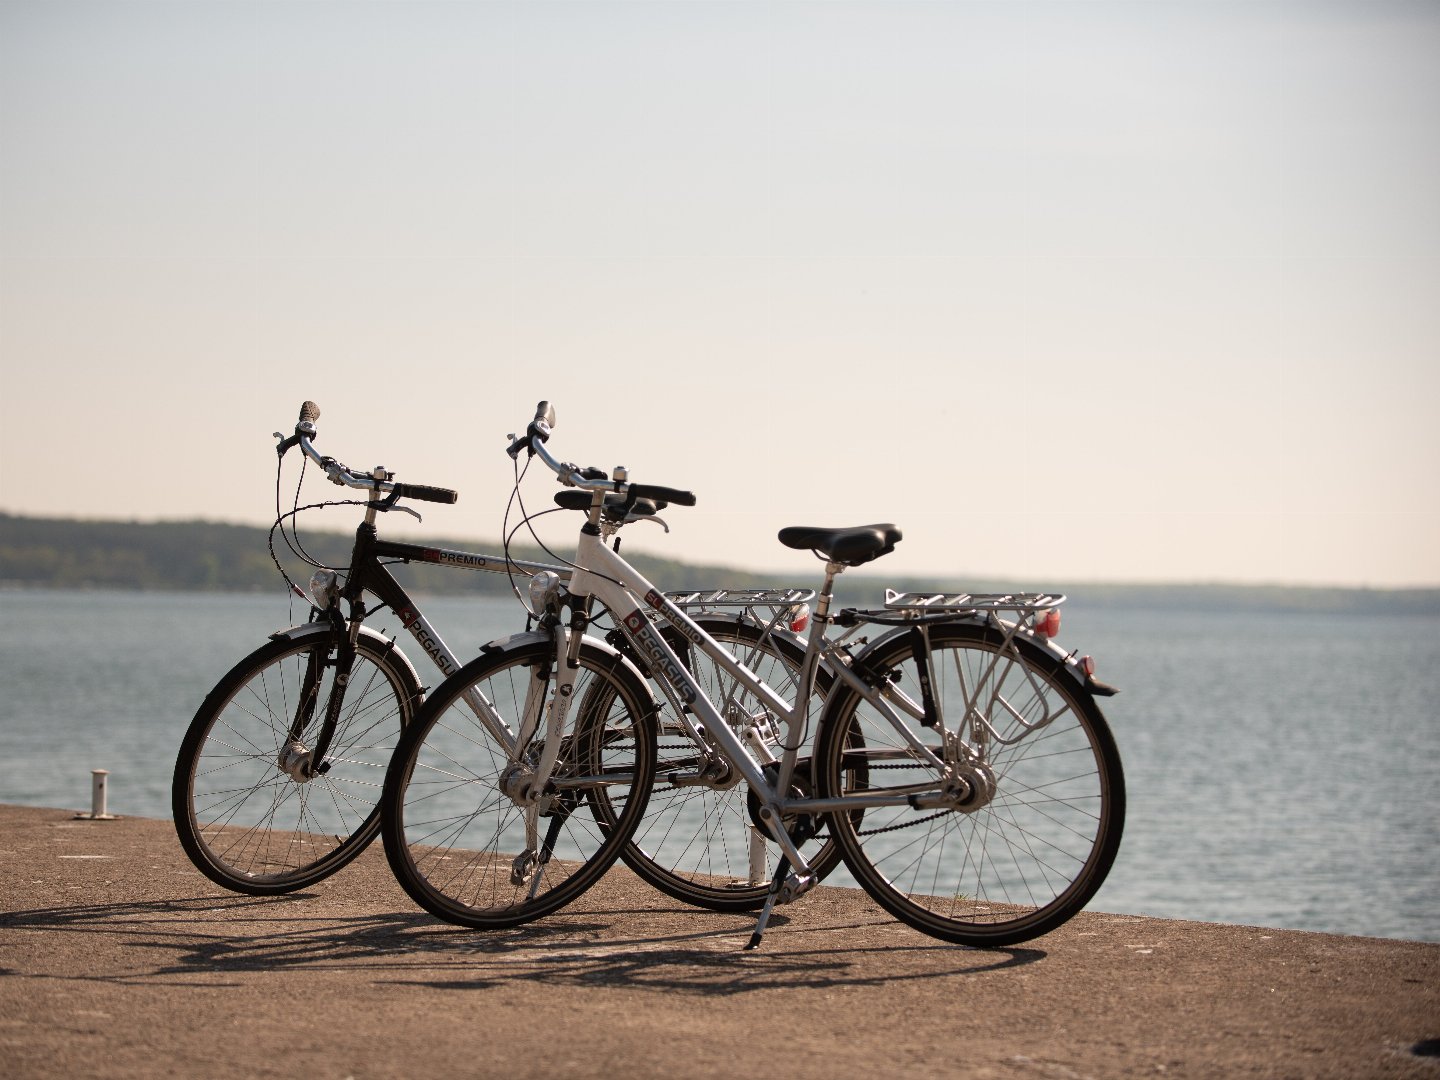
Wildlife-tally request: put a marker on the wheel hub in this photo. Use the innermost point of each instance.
(515, 783)
(294, 761)
(971, 786)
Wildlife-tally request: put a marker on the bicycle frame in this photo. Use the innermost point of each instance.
(603, 575)
(599, 574)
(606, 576)
(368, 573)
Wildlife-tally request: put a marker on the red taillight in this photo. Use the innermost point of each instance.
(1048, 625)
(799, 617)
(1087, 665)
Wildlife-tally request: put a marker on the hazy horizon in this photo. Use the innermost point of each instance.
(802, 567)
(1112, 291)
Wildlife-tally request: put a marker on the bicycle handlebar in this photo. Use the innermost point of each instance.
(426, 493)
(538, 433)
(662, 494)
(336, 473)
(539, 429)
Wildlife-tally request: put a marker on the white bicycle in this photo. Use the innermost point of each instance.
(960, 762)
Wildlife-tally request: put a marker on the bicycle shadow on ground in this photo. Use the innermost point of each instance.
(213, 934)
(706, 964)
(205, 939)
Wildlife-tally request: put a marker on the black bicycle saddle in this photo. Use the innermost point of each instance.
(852, 546)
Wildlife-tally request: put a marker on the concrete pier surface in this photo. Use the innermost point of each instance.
(118, 959)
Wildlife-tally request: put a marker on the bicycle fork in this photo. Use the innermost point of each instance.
(300, 762)
(528, 785)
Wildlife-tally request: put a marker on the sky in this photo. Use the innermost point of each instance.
(1091, 290)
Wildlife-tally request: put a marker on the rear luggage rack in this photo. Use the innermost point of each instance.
(708, 598)
(923, 602)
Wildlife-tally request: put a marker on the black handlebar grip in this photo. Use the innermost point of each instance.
(425, 493)
(576, 499)
(309, 412)
(663, 494)
(544, 414)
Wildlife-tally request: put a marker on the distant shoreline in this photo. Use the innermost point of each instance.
(1220, 599)
(190, 556)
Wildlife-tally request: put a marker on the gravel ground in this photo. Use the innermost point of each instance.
(118, 959)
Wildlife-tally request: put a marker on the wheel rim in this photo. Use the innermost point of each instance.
(260, 825)
(463, 838)
(1026, 852)
(697, 841)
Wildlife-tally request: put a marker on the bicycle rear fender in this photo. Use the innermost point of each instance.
(1037, 649)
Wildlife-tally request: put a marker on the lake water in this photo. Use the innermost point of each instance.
(1280, 768)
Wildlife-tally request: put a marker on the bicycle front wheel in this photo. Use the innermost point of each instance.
(1021, 832)
(463, 833)
(245, 821)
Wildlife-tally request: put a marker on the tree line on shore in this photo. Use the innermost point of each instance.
(67, 553)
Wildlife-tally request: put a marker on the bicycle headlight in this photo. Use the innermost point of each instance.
(544, 591)
(324, 588)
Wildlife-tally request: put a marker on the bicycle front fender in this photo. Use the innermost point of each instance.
(600, 653)
(322, 630)
(527, 638)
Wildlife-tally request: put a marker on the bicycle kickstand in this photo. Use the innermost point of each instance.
(785, 886)
(776, 883)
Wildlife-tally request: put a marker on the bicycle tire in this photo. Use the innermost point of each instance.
(244, 822)
(695, 842)
(445, 789)
(1016, 863)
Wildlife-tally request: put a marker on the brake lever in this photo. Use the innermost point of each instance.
(391, 502)
(648, 517)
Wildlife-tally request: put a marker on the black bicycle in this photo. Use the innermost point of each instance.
(278, 779)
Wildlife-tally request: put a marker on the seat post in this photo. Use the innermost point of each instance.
(822, 603)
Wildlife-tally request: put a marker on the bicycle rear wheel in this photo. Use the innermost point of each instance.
(1036, 803)
(697, 841)
(460, 834)
(246, 822)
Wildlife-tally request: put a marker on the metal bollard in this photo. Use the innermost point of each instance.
(98, 793)
(759, 875)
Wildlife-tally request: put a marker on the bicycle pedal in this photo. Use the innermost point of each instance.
(796, 886)
(523, 867)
